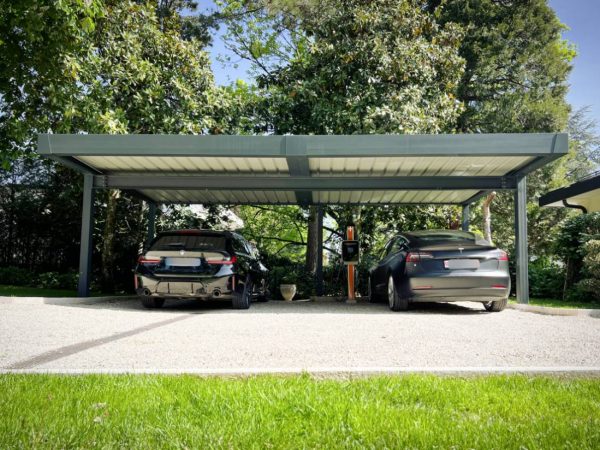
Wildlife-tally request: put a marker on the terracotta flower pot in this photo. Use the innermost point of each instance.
(287, 291)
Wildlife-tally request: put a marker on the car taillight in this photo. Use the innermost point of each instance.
(148, 259)
(498, 286)
(418, 256)
(225, 262)
(503, 256)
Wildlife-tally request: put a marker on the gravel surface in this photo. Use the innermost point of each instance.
(120, 336)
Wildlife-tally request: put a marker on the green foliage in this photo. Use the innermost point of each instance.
(137, 78)
(546, 279)
(16, 276)
(37, 37)
(56, 280)
(574, 233)
(121, 71)
(570, 246)
(21, 291)
(590, 282)
(278, 231)
(375, 67)
(517, 65)
(177, 217)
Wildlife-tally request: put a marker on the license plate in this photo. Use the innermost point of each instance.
(183, 262)
(461, 264)
(174, 288)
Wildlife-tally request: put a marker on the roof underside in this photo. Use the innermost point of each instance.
(585, 193)
(373, 169)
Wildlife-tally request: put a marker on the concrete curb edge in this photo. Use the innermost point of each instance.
(549, 311)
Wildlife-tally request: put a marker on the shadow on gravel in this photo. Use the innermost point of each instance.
(281, 307)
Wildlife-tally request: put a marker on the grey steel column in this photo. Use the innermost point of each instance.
(319, 271)
(522, 255)
(87, 228)
(466, 209)
(151, 223)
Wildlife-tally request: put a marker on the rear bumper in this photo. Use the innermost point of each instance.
(203, 288)
(458, 287)
(450, 299)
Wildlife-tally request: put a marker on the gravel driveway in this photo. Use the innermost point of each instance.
(120, 336)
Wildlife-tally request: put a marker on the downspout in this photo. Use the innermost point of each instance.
(569, 205)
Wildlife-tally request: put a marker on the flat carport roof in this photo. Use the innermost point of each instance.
(305, 170)
(362, 169)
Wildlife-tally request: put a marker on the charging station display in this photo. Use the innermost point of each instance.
(350, 252)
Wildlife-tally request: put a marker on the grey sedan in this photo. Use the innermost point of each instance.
(440, 266)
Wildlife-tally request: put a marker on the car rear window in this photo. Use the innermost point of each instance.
(440, 237)
(189, 242)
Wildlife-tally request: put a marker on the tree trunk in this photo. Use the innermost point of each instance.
(108, 242)
(487, 217)
(312, 246)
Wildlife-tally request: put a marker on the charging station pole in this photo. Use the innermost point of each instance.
(350, 268)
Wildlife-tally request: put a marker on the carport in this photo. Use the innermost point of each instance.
(453, 169)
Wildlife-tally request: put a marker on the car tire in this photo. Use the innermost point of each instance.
(152, 302)
(373, 297)
(395, 300)
(496, 306)
(242, 295)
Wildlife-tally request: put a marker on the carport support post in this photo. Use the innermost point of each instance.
(522, 256)
(319, 274)
(466, 209)
(151, 223)
(87, 228)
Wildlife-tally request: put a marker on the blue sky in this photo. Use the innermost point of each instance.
(581, 16)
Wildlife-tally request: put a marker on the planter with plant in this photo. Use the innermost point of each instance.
(287, 287)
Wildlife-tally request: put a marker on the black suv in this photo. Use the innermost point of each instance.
(200, 264)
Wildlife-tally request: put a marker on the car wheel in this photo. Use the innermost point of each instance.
(396, 302)
(242, 295)
(373, 298)
(496, 306)
(152, 302)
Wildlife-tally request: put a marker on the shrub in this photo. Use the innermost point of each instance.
(570, 244)
(546, 279)
(588, 288)
(55, 280)
(16, 276)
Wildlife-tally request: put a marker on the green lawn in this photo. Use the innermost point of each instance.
(132, 411)
(25, 291)
(555, 303)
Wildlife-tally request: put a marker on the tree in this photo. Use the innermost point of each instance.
(515, 80)
(137, 78)
(376, 67)
(517, 64)
(120, 73)
(183, 16)
(584, 151)
(35, 36)
(351, 67)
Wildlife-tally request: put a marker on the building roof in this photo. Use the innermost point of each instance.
(585, 194)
